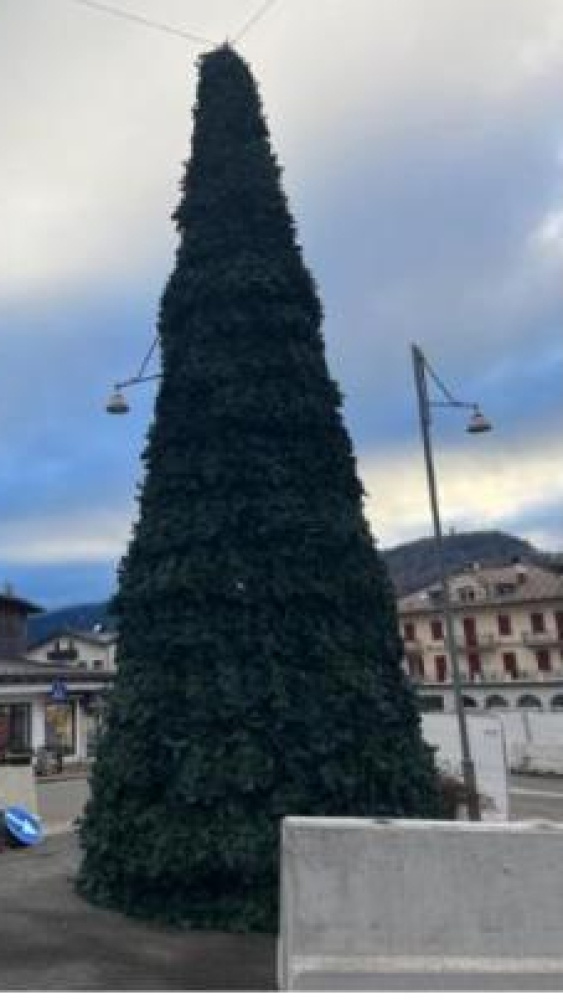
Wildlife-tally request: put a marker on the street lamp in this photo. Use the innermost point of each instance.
(477, 424)
(117, 404)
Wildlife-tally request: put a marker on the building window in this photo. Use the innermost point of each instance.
(436, 629)
(544, 660)
(559, 624)
(416, 666)
(466, 594)
(409, 631)
(470, 631)
(510, 665)
(474, 663)
(496, 701)
(15, 727)
(441, 668)
(60, 653)
(538, 622)
(431, 702)
(529, 701)
(504, 625)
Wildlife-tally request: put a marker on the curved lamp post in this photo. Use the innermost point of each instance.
(477, 424)
(117, 404)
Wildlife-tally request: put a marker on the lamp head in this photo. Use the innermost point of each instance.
(478, 423)
(117, 404)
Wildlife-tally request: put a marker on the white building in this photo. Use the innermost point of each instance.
(54, 695)
(94, 650)
(508, 624)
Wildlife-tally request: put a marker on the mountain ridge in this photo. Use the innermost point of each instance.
(412, 566)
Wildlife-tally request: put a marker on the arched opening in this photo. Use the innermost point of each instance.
(496, 701)
(557, 703)
(529, 701)
(469, 702)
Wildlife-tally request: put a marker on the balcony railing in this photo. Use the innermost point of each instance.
(413, 645)
(541, 639)
(486, 640)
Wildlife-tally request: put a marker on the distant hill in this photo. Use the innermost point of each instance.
(412, 566)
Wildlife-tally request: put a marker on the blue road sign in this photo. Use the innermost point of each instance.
(24, 827)
(59, 691)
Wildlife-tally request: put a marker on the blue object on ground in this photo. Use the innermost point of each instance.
(23, 826)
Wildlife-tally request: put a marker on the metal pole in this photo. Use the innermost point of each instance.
(467, 765)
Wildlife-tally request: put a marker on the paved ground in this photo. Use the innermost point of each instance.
(50, 939)
(59, 800)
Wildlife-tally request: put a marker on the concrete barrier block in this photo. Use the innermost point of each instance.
(371, 898)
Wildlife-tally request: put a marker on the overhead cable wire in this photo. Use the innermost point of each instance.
(257, 16)
(147, 22)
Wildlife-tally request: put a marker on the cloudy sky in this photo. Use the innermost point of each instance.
(422, 148)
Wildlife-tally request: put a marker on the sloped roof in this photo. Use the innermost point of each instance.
(523, 582)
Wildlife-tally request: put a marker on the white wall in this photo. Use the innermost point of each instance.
(486, 741)
(534, 741)
(89, 652)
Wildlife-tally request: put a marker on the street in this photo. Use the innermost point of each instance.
(52, 939)
(536, 798)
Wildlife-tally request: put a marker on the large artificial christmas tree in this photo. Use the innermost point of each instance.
(259, 657)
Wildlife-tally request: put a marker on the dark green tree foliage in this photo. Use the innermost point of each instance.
(259, 655)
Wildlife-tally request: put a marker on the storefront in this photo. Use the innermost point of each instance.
(42, 706)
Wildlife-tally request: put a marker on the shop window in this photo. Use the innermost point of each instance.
(529, 701)
(431, 702)
(60, 727)
(15, 727)
(496, 701)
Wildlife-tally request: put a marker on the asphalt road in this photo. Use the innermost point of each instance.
(536, 798)
(50, 939)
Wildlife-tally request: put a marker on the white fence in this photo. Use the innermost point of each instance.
(362, 900)
(487, 745)
(534, 741)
